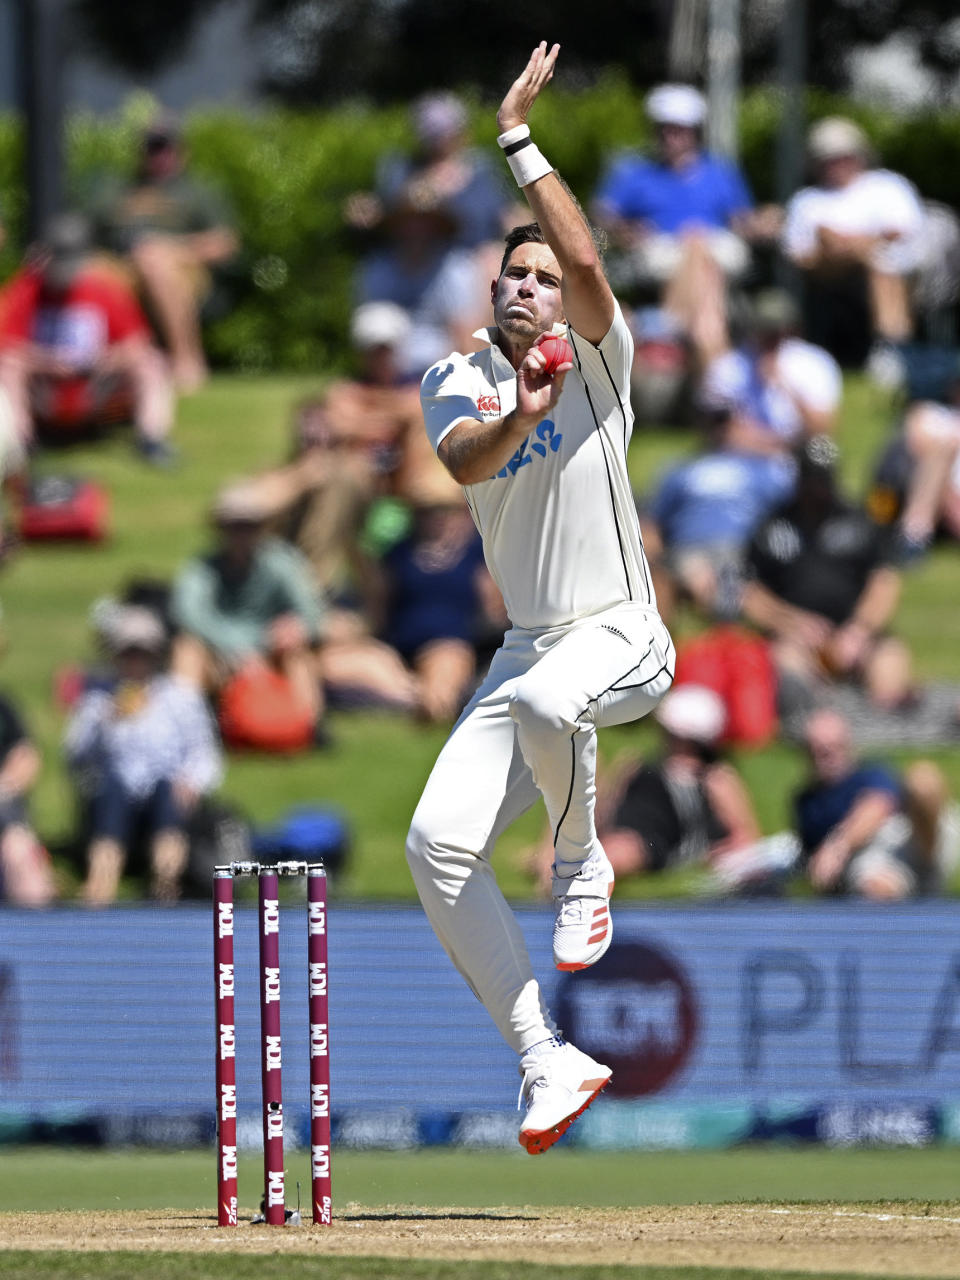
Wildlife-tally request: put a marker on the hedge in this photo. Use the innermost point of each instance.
(286, 175)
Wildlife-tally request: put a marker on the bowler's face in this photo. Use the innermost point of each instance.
(526, 296)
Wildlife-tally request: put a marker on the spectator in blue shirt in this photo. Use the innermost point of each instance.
(864, 829)
(680, 219)
(703, 513)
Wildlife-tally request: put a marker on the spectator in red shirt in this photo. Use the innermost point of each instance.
(75, 348)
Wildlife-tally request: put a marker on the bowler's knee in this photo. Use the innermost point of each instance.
(538, 707)
(427, 848)
(438, 861)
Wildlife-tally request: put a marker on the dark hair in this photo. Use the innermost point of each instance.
(530, 232)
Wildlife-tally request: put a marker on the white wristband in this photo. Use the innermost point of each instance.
(525, 160)
(528, 165)
(513, 135)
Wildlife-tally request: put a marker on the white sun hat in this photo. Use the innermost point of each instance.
(379, 324)
(692, 711)
(836, 136)
(677, 104)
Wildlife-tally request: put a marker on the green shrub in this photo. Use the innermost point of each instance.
(285, 303)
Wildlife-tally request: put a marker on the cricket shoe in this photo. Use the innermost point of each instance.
(583, 927)
(559, 1083)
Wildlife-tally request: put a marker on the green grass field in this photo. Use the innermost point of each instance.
(45, 1179)
(239, 424)
(404, 1188)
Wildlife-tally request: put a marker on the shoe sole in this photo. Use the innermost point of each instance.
(536, 1141)
(573, 966)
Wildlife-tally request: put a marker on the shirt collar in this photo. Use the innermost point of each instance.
(488, 333)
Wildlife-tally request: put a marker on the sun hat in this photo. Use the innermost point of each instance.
(692, 711)
(437, 116)
(239, 503)
(379, 324)
(135, 627)
(677, 104)
(836, 136)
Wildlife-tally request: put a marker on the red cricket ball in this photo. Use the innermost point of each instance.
(556, 351)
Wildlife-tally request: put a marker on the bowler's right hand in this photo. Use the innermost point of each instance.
(538, 392)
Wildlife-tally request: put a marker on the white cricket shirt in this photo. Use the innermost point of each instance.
(875, 202)
(559, 523)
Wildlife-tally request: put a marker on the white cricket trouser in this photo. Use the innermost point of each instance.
(529, 730)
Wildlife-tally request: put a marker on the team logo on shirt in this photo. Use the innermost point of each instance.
(545, 439)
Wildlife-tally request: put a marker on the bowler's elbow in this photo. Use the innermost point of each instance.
(459, 460)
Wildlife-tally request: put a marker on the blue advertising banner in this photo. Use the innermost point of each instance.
(836, 1022)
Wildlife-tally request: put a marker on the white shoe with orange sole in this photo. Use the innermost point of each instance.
(559, 1083)
(583, 927)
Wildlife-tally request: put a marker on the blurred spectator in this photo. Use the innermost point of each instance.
(822, 584)
(75, 348)
(858, 230)
(865, 829)
(700, 518)
(687, 807)
(362, 439)
(172, 230)
(437, 600)
(464, 178)
(26, 876)
(420, 269)
(247, 603)
(776, 388)
(917, 479)
(143, 752)
(680, 221)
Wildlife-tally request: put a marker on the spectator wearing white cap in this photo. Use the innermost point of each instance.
(679, 219)
(143, 751)
(857, 227)
(689, 806)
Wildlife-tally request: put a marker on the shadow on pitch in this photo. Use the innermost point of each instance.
(452, 1216)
